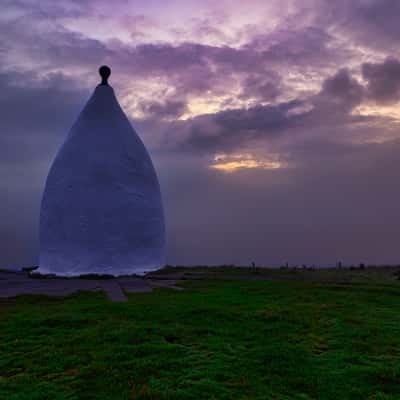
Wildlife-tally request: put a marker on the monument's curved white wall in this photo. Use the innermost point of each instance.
(101, 210)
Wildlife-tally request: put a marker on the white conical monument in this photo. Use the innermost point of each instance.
(101, 210)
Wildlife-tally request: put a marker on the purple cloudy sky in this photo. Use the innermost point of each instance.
(273, 125)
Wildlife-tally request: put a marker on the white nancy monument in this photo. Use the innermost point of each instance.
(101, 210)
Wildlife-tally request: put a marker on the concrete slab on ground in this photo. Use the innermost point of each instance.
(18, 283)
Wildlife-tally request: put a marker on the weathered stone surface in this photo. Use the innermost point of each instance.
(101, 210)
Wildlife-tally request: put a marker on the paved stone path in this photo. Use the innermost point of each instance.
(16, 283)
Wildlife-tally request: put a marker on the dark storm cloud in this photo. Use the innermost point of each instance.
(168, 109)
(267, 88)
(383, 80)
(372, 23)
(228, 130)
(343, 87)
(339, 95)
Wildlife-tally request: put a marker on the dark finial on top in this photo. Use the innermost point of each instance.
(104, 72)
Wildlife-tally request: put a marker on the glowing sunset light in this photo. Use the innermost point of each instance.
(392, 111)
(235, 162)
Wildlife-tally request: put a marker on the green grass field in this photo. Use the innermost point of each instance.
(218, 339)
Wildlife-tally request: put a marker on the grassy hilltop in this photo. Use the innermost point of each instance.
(231, 334)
